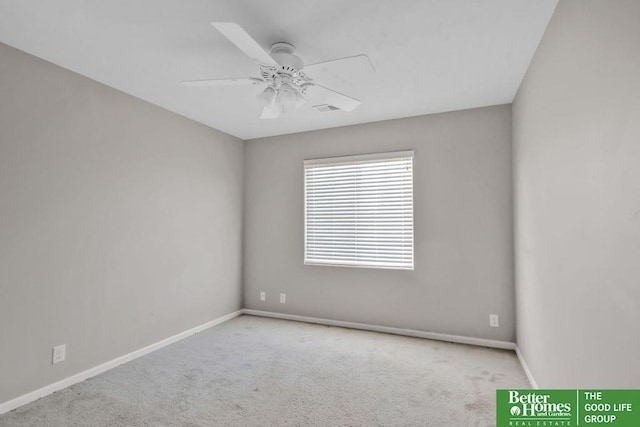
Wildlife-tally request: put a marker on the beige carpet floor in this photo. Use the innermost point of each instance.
(253, 371)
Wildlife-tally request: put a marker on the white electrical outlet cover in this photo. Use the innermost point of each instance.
(283, 298)
(59, 354)
(494, 320)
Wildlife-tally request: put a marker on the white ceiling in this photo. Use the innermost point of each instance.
(430, 55)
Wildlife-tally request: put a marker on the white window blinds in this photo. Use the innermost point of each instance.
(359, 211)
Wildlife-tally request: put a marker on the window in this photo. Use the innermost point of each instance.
(359, 211)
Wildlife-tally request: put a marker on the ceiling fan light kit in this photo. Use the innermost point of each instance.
(282, 72)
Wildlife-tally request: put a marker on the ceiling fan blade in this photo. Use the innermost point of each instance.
(270, 112)
(336, 99)
(223, 82)
(243, 41)
(350, 65)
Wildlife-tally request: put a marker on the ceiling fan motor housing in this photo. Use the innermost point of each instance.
(289, 69)
(285, 55)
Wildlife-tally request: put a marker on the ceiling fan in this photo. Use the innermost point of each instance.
(285, 75)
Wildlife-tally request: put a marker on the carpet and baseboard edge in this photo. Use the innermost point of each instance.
(92, 372)
(527, 371)
(460, 339)
(79, 377)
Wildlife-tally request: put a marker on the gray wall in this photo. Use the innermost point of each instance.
(577, 186)
(120, 223)
(463, 227)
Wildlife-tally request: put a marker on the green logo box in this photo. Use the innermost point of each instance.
(547, 408)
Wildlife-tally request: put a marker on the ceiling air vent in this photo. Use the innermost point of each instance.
(324, 108)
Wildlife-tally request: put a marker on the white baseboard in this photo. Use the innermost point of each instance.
(92, 372)
(74, 379)
(386, 329)
(527, 371)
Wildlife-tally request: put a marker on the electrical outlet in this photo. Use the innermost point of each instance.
(283, 298)
(263, 296)
(59, 354)
(493, 321)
